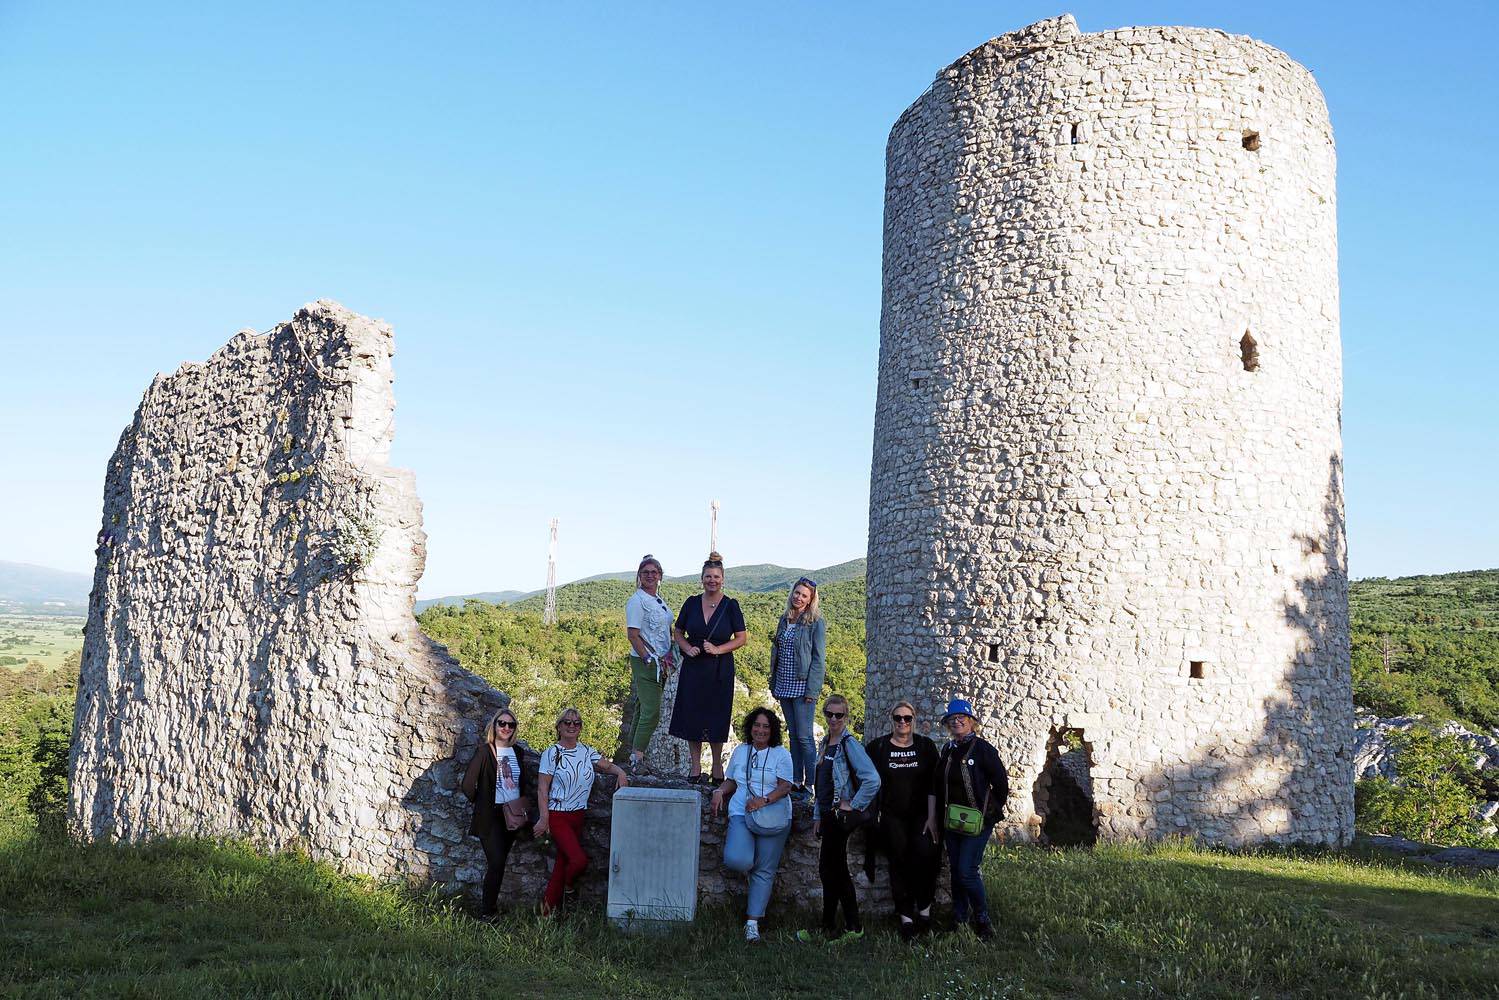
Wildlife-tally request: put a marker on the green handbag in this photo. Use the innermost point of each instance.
(966, 820)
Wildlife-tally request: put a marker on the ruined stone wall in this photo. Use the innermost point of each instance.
(1106, 489)
(251, 665)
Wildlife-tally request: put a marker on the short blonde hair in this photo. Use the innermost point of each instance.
(835, 699)
(903, 704)
(557, 726)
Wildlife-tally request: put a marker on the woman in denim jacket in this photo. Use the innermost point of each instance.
(797, 667)
(846, 786)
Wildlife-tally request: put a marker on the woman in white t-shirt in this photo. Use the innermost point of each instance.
(563, 782)
(648, 620)
(497, 785)
(757, 786)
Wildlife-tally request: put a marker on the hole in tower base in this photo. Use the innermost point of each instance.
(1064, 791)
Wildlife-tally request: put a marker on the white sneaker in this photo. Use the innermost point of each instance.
(751, 932)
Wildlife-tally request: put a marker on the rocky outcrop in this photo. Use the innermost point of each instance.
(1374, 756)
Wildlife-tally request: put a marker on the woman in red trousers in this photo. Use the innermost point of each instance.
(563, 782)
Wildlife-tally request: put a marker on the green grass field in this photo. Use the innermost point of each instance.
(43, 638)
(191, 919)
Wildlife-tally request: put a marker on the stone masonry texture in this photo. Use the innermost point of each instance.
(1106, 497)
(251, 666)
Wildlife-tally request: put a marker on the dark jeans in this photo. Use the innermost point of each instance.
(496, 843)
(837, 884)
(914, 859)
(964, 853)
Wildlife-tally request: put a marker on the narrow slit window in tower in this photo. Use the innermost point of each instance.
(1251, 140)
(1075, 133)
(993, 652)
(1249, 353)
(1197, 669)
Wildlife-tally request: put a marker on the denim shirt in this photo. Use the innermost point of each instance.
(811, 648)
(850, 753)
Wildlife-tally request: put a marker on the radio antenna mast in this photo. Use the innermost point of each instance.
(549, 613)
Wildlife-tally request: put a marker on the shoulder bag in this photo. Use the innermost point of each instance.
(519, 814)
(852, 819)
(967, 820)
(773, 818)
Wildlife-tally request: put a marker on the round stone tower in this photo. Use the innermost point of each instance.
(1106, 498)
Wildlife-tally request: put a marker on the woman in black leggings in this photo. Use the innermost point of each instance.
(907, 830)
(846, 785)
(494, 779)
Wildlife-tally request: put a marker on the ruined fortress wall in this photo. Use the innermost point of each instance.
(251, 666)
(1095, 506)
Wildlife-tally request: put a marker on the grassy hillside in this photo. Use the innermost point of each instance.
(193, 919)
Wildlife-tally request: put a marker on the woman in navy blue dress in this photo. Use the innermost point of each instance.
(709, 628)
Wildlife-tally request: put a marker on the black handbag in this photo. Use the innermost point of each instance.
(851, 819)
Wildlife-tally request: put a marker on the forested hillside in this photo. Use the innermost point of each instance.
(581, 661)
(1429, 645)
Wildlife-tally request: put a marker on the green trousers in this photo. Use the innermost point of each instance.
(647, 701)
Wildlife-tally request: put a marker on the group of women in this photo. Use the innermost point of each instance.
(910, 795)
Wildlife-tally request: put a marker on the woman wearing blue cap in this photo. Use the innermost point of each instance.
(972, 787)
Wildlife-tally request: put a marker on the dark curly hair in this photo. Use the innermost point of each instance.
(749, 723)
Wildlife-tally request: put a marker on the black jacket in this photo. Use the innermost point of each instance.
(479, 781)
(984, 770)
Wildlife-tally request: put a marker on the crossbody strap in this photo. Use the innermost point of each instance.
(967, 779)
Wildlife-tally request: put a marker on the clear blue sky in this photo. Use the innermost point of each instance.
(631, 253)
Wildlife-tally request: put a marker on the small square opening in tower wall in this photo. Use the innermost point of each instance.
(1197, 669)
(1251, 140)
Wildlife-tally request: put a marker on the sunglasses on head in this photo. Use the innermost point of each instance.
(834, 715)
(807, 581)
(903, 718)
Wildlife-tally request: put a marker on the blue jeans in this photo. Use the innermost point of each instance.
(759, 856)
(798, 713)
(964, 853)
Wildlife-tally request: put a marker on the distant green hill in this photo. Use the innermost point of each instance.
(488, 597)
(756, 577)
(38, 590)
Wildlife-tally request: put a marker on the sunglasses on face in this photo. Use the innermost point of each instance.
(504, 724)
(903, 718)
(572, 722)
(835, 715)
